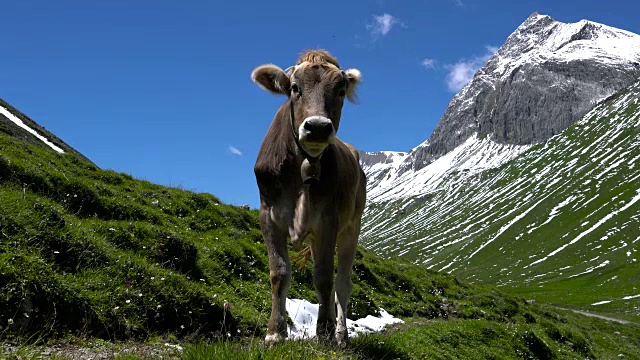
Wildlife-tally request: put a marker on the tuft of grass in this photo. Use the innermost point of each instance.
(253, 349)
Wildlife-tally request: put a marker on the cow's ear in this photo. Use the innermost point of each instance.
(355, 77)
(271, 78)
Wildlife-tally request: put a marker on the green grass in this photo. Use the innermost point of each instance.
(539, 333)
(542, 335)
(90, 255)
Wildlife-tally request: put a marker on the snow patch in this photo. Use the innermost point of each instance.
(591, 269)
(507, 226)
(21, 124)
(305, 317)
(595, 226)
(469, 158)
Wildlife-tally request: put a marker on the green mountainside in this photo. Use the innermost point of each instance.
(559, 223)
(89, 256)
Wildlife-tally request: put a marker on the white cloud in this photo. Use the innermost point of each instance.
(382, 24)
(458, 3)
(462, 72)
(429, 63)
(235, 150)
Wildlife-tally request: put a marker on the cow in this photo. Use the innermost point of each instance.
(312, 188)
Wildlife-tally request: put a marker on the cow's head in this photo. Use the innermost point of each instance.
(316, 87)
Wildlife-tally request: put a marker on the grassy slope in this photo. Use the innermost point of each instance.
(543, 335)
(93, 254)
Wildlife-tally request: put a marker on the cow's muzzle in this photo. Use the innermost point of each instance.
(316, 132)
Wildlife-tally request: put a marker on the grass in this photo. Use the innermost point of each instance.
(90, 257)
(539, 333)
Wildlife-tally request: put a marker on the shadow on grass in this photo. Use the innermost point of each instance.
(373, 348)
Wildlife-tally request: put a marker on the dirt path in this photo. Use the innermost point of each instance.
(91, 351)
(598, 316)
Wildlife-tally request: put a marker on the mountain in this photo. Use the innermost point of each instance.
(546, 76)
(525, 183)
(16, 124)
(560, 219)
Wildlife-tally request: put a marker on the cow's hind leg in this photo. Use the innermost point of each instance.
(347, 248)
(323, 250)
(280, 276)
(347, 244)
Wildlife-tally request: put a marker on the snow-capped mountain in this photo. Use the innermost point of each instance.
(531, 176)
(546, 76)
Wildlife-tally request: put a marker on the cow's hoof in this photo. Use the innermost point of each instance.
(327, 339)
(342, 339)
(273, 338)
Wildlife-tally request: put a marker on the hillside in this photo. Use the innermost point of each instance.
(88, 255)
(558, 222)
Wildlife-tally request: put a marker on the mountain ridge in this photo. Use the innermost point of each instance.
(545, 212)
(18, 125)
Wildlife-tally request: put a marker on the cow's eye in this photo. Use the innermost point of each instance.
(342, 93)
(295, 88)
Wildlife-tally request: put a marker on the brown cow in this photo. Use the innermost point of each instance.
(311, 187)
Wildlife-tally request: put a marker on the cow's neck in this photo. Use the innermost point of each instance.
(310, 168)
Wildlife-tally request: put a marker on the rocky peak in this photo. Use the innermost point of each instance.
(546, 76)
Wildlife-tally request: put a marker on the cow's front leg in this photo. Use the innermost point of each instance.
(280, 276)
(323, 249)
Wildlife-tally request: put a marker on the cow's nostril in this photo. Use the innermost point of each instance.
(325, 128)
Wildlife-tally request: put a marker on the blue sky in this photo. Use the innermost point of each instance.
(161, 89)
